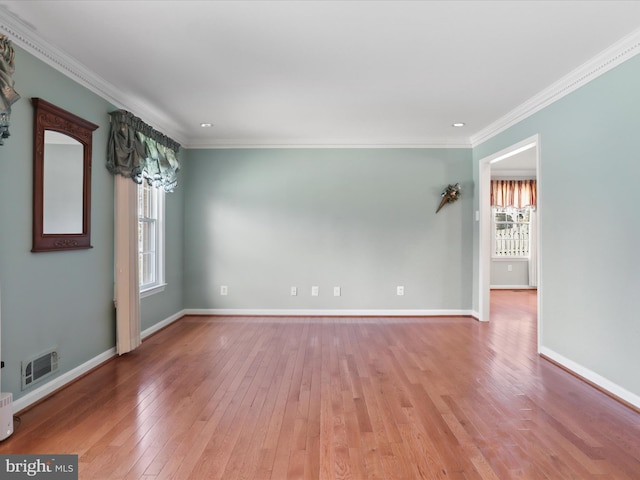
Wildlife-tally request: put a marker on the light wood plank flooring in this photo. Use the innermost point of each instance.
(338, 398)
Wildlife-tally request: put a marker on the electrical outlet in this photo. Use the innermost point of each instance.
(400, 290)
(224, 290)
(315, 291)
(509, 268)
(294, 291)
(336, 291)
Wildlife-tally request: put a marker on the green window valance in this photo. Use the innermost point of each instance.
(139, 152)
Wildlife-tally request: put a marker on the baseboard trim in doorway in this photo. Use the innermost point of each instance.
(512, 287)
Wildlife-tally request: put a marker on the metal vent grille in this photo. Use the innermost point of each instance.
(38, 368)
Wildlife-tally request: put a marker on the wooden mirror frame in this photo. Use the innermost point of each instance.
(49, 117)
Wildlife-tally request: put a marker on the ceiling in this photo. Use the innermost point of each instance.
(520, 164)
(269, 73)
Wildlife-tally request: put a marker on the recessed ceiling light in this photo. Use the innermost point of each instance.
(206, 125)
(458, 124)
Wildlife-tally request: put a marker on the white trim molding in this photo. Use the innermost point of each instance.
(285, 312)
(606, 60)
(457, 142)
(592, 377)
(60, 381)
(160, 325)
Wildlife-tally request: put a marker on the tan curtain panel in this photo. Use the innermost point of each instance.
(126, 289)
(513, 193)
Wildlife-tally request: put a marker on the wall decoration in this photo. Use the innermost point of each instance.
(62, 144)
(450, 195)
(8, 96)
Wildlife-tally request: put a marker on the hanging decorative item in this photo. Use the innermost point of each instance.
(8, 96)
(450, 195)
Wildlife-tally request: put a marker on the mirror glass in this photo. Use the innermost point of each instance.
(62, 184)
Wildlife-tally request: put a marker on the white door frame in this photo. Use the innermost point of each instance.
(484, 240)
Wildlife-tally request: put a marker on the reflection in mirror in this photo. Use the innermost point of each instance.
(62, 184)
(62, 145)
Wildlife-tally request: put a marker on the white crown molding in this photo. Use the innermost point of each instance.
(606, 60)
(315, 144)
(22, 35)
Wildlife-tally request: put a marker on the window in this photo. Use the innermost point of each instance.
(511, 227)
(150, 239)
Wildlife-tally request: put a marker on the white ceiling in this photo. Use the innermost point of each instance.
(321, 73)
(521, 164)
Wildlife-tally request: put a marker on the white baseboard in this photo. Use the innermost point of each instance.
(160, 325)
(602, 382)
(68, 377)
(60, 381)
(327, 312)
(511, 287)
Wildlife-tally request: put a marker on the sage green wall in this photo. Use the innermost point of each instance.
(52, 299)
(589, 223)
(263, 220)
(63, 299)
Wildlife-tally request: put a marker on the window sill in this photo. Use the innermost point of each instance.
(510, 259)
(152, 290)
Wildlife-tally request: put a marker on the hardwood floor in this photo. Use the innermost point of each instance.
(333, 398)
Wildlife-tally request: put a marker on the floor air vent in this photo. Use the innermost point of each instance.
(38, 368)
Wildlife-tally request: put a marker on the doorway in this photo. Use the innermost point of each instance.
(531, 145)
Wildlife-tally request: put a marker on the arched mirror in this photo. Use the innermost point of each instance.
(61, 179)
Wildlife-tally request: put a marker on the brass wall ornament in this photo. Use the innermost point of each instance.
(8, 96)
(450, 195)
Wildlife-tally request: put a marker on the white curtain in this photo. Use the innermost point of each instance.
(127, 290)
(533, 248)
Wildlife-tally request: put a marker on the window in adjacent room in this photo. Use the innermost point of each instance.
(150, 239)
(511, 227)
